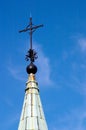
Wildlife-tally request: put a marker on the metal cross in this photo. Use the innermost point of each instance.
(31, 29)
(31, 53)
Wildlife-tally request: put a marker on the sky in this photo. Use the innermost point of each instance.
(61, 49)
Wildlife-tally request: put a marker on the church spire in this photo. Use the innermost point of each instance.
(32, 116)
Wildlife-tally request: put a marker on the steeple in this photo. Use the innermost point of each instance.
(32, 115)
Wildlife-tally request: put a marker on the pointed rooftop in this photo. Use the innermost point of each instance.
(32, 115)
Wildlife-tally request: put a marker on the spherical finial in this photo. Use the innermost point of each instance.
(31, 68)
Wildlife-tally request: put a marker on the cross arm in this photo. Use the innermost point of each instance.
(31, 28)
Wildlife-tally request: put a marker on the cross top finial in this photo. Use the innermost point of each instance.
(31, 54)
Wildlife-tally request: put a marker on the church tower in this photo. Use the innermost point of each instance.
(32, 115)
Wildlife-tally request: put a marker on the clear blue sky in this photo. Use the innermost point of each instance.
(61, 47)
